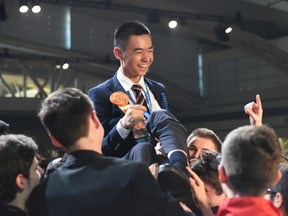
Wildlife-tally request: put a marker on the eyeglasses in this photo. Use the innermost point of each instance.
(269, 191)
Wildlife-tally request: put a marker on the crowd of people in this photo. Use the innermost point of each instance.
(106, 170)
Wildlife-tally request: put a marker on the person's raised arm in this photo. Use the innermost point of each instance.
(255, 111)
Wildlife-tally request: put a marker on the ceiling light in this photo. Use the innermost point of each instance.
(65, 66)
(23, 6)
(172, 24)
(228, 29)
(58, 65)
(221, 32)
(36, 8)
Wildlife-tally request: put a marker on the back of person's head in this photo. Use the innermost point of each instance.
(250, 157)
(4, 127)
(123, 32)
(206, 167)
(64, 114)
(208, 134)
(282, 188)
(17, 153)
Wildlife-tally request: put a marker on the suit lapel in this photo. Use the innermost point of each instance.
(115, 85)
(156, 92)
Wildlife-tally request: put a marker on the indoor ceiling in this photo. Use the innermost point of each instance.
(68, 30)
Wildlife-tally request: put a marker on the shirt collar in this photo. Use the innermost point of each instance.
(126, 82)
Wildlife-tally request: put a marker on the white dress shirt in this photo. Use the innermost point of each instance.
(127, 85)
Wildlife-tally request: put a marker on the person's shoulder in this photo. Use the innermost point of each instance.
(101, 90)
(154, 83)
(100, 86)
(9, 210)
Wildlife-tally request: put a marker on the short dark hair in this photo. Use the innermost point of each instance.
(206, 167)
(208, 134)
(123, 32)
(17, 153)
(250, 156)
(64, 114)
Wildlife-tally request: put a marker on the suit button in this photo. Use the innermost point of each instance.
(117, 146)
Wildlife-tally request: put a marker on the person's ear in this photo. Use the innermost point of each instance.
(95, 119)
(222, 174)
(117, 53)
(55, 142)
(278, 200)
(20, 181)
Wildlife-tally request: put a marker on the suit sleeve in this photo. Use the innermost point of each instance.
(109, 115)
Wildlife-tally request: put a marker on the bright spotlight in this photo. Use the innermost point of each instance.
(65, 66)
(228, 30)
(23, 9)
(36, 9)
(172, 24)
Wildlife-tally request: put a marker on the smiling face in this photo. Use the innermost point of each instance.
(137, 57)
(198, 145)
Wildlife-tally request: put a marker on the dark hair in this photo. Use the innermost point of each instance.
(250, 156)
(123, 32)
(208, 134)
(64, 114)
(4, 127)
(17, 153)
(206, 167)
(281, 186)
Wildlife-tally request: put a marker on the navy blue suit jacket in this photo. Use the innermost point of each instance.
(109, 114)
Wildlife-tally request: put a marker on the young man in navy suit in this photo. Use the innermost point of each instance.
(134, 50)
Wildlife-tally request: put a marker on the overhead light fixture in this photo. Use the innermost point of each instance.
(36, 7)
(228, 30)
(58, 65)
(222, 32)
(65, 66)
(172, 24)
(23, 6)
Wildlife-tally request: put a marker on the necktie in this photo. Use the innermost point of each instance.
(139, 96)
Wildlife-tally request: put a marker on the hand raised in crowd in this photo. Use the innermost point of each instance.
(255, 111)
(198, 189)
(133, 115)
